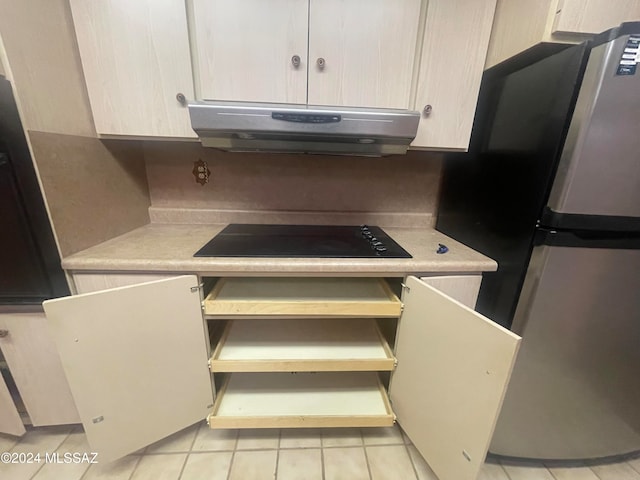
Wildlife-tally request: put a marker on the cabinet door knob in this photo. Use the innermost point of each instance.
(4, 333)
(427, 110)
(321, 63)
(295, 61)
(182, 100)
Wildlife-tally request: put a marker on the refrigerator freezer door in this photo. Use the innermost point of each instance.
(599, 171)
(575, 390)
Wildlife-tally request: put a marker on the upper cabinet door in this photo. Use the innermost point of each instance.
(251, 50)
(594, 16)
(362, 52)
(453, 369)
(136, 361)
(136, 59)
(455, 45)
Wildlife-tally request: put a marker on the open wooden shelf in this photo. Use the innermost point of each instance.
(286, 400)
(302, 297)
(291, 345)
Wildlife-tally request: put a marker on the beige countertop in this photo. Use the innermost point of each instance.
(170, 248)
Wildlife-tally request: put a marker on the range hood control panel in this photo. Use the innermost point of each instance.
(306, 117)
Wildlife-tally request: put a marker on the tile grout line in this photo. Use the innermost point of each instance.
(42, 466)
(135, 468)
(504, 470)
(631, 465)
(322, 459)
(366, 457)
(413, 464)
(233, 454)
(594, 472)
(556, 478)
(177, 452)
(406, 441)
(550, 472)
(233, 457)
(186, 459)
(275, 473)
(193, 442)
(84, 474)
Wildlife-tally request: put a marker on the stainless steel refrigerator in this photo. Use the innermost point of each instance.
(550, 188)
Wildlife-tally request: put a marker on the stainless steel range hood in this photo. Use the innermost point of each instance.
(265, 127)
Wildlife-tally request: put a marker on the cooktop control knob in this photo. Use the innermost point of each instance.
(376, 245)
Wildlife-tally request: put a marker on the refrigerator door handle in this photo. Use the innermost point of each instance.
(577, 221)
(587, 239)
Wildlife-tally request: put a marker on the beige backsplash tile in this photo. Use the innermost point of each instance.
(95, 190)
(272, 188)
(203, 216)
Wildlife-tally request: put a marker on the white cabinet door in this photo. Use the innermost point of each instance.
(136, 59)
(368, 50)
(136, 361)
(453, 369)
(594, 16)
(462, 288)
(456, 39)
(244, 50)
(35, 365)
(94, 281)
(10, 421)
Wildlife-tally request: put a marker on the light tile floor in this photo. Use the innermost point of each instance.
(314, 454)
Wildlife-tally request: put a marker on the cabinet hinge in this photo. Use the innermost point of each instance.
(405, 287)
(199, 287)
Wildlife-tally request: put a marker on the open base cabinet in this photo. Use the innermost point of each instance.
(310, 399)
(143, 361)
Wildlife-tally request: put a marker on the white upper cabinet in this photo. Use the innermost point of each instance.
(455, 43)
(409, 54)
(362, 52)
(136, 60)
(251, 50)
(520, 24)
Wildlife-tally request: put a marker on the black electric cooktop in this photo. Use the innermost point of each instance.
(302, 241)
